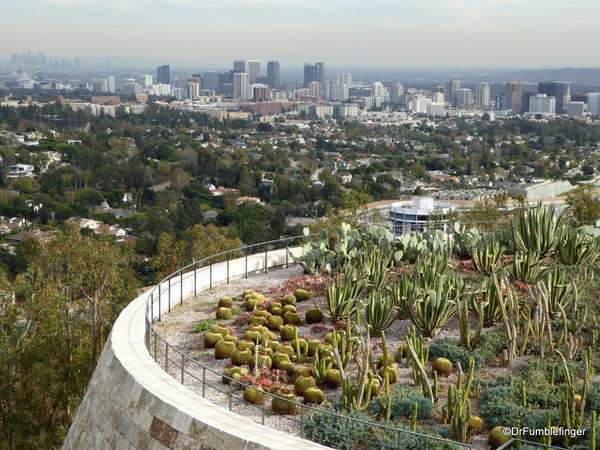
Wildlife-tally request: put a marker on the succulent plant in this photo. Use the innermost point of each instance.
(254, 396)
(224, 349)
(288, 332)
(274, 305)
(392, 372)
(314, 315)
(313, 395)
(223, 330)
(375, 385)
(261, 360)
(275, 323)
(289, 308)
(401, 353)
(301, 295)
(301, 369)
(241, 356)
(253, 301)
(288, 366)
(211, 338)
(280, 357)
(333, 378)
(225, 302)
(497, 437)
(442, 366)
(289, 300)
(303, 382)
(276, 310)
(313, 344)
(253, 335)
(272, 343)
(324, 349)
(285, 348)
(282, 402)
(230, 371)
(247, 343)
(246, 293)
(476, 424)
(224, 313)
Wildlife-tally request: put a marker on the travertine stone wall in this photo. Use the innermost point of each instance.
(131, 403)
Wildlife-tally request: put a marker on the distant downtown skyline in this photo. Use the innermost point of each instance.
(380, 33)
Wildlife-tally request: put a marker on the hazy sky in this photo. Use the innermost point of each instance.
(385, 33)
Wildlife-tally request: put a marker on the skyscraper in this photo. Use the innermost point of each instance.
(163, 75)
(482, 94)
(396, 92)
(559, 90)
(212, 80)
(112, 85)
(593, 101)
(241, 89)
(344, 78)
(239, 66)
(273, 74)
(450, 89)
(514, 96)
(462, 97)
(146, 80)
(320, 72)
(314, 89)
(314, 72)
(253, 70)
(377, 89)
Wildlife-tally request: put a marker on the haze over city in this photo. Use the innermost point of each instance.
(382, 33)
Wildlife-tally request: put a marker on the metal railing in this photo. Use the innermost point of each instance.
(204, 379)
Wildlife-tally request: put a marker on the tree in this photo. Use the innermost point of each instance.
(584, 203)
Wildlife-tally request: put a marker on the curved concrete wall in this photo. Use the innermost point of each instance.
(131, 403)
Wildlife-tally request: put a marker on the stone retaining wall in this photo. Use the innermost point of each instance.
(131, 403)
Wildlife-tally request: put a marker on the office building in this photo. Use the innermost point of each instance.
(526, 97)
(593, 101)
(416, 215)
(561, 91)
(436, 109)
(253, 70)
(163, 75)
(437, 97)
(314, 89)
(377, 89)
(450, 89)
(146, 80)
(482, 95)
(212, 80)
(239, 66)
(420, 105)
(314, 72)
(241, 88)
(396, 91)
(273, 74)
(261, 93)
(112, 85)
(575, 108)
(542, 104)
(514, 97)
(462, 97)
(193, 87)
(344, 78)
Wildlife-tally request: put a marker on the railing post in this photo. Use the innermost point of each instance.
(155, 347)
(203, 381)
(266, 260)
(210, 276)
(181, 287)
(228, 268)
(166, 357)
(195, 271)
(246, 257)
(151, 307)
(302, 421)
(169, 294)
(182, 368)
(262, 414)
(230, 395)
(159, 307)
(287, 253)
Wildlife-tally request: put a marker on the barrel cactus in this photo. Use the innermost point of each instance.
(247, 343)
(241, 356)
(303, 382)
(224, 349)
(275, 323)
(253, 395)
(333, 378)
(223, 330)
(232, 371)
(253, 301)
(282, 403)
(261, 360)
(313, 395)
(313, 344)
(225, 302)
(292, 317)
(288, 332)
(280, 357)
(442, 366)
(392, 373)
(301, 295)
(476, 424)
(288, 366)
(211, 338)
(289, 308)
(289, 300)
(224, 313)
(497, 437)
(314, 315)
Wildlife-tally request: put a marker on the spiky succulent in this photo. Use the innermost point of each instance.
(282, 402)
(224, 349)
(231, 371)
(303, 382)
(254, 395)
(241, 356)
(301, 295)
(211, 338)
(289, 300)
(442, 366)
(292, 317)
(275, 323)
(224, 313)
(333, 378)
(225, 302)
(314, 315)
(313, 395)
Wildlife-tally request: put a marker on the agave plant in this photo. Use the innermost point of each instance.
(487, 258)
(538, 230)
(431, 268)
(433, 309)
(403, 293)
(560, 291)
(373, 266)
(490, 306)
(379, 316)
(527, 267)
(465, 241)
(342, 296)
(577, 249)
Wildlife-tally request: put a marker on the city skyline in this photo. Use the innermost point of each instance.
(426, 34)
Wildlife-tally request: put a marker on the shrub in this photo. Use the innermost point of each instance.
(388, 439)
(402, 404)
(205, 325)
(447, 348)
(502, 413)
(594, 397)
(337, 432)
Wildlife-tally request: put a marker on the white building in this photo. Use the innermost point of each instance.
(241, 89)
(346, 110)
(416, 215)
(20, 170)
(419, 105)
(146, 80)
(482, 95)
(575, 108)
(112, 85)
(436, 109)
(396, 92)
(542, 104)
(344, 78)
(314, 89)
(437, 97)
(593, 99)
(463, 97)
(377, 89)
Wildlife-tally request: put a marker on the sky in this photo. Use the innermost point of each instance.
(361, 33)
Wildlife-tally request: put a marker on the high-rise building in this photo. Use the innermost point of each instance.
(575, 108)
(273, 74)
(314, 72)
(450, 89)
(593, 101)
(253, 70)
(241, 88)
(320, 72)
(542, 104)
(344, 78)
(482, 94)
(112, 85)
(396, 92)
(314, 89)
(377, 89)
(559, 90)
(194, 86)
(163, 75)
(462, 97)
(240, 66)
(437, 97)
(514, 96)
(212, 80)
(146, 80)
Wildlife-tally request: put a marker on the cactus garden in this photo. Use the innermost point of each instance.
(455, 334)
